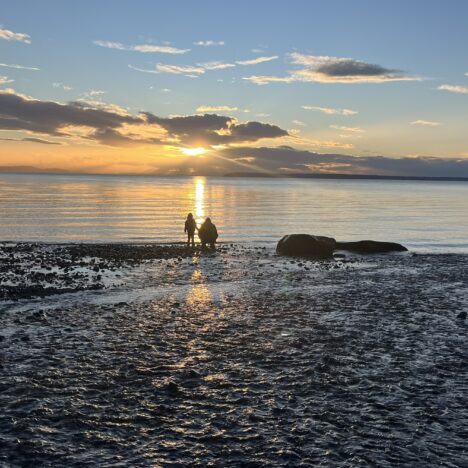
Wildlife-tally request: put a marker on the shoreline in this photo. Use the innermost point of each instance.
(39, 269)
(238, 355)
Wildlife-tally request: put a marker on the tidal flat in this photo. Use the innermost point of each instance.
(150, 355)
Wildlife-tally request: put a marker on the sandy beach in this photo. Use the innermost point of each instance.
(156, 355)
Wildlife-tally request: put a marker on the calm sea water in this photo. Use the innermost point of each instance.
(425, 216)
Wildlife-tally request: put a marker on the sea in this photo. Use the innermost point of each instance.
(426, 216)
(238, 357)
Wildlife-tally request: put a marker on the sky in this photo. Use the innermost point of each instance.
(209, 87)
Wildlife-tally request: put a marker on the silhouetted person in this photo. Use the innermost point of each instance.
(208, 233)
(190, 228)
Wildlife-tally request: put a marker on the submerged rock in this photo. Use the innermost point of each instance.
(370, 247)
(306, 245)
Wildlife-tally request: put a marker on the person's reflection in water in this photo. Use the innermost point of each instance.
(208, 233)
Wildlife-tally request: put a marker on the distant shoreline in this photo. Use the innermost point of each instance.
(336, 176)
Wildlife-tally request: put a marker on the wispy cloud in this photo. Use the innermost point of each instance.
(188, 70)
(19, 67)
(5, 80)
(257, 60)
(325, 69)
(208, 109)
(299, 122)
(33, 140)
(92, 94)
(200, 68)
(96, 92)
(330, 110)
(209, 43)
(14, 36)
(453, 88)
(143, 48)
(347, 129)
(216, 65)
(62, 86)
(144, 70)
(428, 123)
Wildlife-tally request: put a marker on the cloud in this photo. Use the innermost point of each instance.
(330, 110)
(5, 80)
(193, 71)
(347, 129)
(20, 67)
(256, 61)
(111, 137)
(33, 140)
(325, 69)
(62, 86)
(187, 70)
(454, 88)
(96, 92)
(111, 125)
(20, 112)
(209, 43)
(278, 159)
(266, 79)
(14, 36)
(427, 123)
(216, 65)
(213, 129)
(143, 48)
(144, 70)
(300, 123)
(208, 109)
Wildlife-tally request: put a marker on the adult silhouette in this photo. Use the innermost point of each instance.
(208, 233)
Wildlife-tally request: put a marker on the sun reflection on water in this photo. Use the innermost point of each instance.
(200, 199)
(199, 293)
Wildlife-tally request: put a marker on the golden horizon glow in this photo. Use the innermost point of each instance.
(194, 151)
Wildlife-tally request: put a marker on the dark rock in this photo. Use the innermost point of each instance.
(172, 388)
(339, 255)
(306, 245)
(462, 315)
(370, 247)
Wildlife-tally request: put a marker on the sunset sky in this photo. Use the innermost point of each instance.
(186, 87)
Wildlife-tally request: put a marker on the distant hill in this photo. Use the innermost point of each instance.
(37, 170)
(343, 176)
(31, 170)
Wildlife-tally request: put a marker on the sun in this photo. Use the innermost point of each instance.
(193, 151)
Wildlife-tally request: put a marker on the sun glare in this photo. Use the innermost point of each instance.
(193, 151)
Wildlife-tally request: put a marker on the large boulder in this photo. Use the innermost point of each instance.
(370, 247)
(306, 245)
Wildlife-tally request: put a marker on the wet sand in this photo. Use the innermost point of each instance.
(164, 356)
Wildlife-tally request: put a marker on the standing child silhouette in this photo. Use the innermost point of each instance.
(190, 228)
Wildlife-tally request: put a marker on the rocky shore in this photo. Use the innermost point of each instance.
(29, 270)
(152, 355)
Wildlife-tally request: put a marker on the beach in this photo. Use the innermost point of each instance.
(159, 355)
